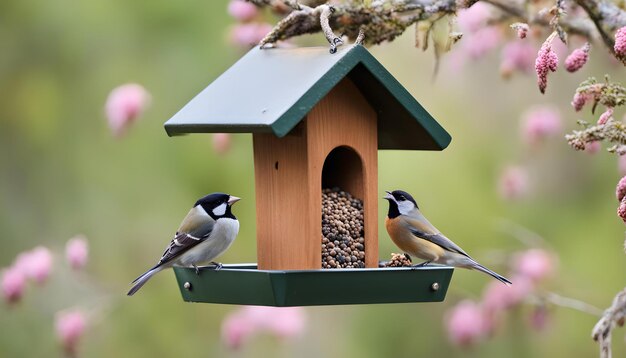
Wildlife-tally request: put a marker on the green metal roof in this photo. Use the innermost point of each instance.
(271, 90)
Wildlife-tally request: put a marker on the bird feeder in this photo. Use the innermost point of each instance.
(317, 121)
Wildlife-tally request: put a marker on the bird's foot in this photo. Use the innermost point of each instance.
(218, 265)
(408, 257)
(422, 264)
(197, 269)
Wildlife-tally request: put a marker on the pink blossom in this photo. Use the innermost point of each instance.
(579, 101)
(535, 264)
(620, 190)
(288, 322)
(577, 59)
(249, 34)
(76, 251)
(466, 324)
(236, 330)
(621, 209)
(498, 297)
(70, 327)
(605, 116)
(539, 123)
(593, 147)
(242, 10)
(124, 105)
(620, 42)
(479, 43)
(221, 142)
(13, 284)
(521, 28)
(517, 56)
(474, 18)
(36, 264)
(22, 262)
(513, 183)
(547, 61)
(283, 322)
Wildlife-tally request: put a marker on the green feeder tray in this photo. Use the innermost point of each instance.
(244, 284)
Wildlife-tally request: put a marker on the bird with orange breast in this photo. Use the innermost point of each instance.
(417, 237)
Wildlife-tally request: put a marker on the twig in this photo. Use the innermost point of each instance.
(613, 316)
(360, 38)
(572, 303)
(521, 233)
(332, 39)
(604, 13)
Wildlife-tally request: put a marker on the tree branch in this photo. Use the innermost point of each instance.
(382, 21)
(613, 316)
(607, 17)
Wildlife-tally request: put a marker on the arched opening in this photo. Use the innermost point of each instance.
(343, 169)
(343, 226)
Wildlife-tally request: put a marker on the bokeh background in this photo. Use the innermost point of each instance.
(63, 173)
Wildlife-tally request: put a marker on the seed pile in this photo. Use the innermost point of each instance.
(343, 245)
(398, 260)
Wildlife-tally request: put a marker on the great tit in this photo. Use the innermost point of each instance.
(416, 236)
(205, 233)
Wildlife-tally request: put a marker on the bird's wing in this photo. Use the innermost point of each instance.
(195, 228)
(180, 244)
(439, 239)
(424, 230)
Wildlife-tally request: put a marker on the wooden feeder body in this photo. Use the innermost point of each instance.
(334, 146)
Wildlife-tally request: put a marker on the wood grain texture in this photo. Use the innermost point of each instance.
(289, 199)
(345, 118)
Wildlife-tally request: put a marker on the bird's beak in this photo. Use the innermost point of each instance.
(233, 199)
(388, 196)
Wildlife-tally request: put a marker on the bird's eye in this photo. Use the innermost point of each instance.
(402, 198)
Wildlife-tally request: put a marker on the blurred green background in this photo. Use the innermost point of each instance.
(63, 173)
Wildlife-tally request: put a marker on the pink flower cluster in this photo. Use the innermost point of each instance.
(242, 10)
(13, 283)
(620, 193)
(579, 101)
(513, 183)
(620, 190)
(249, 31)
(521, 28)
(593, 147)
(221, 142)
(282, 322)
(547, 61)
(577, 59)
(605, 116)
(540, 123)
(479, 43)
(70, 327)
(478, 38)
(77, 252)
(36, 265)
(469, 323)
(517, 56)
(124, 105)
(620, 42)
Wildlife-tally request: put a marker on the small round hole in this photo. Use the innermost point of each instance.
(276, 165)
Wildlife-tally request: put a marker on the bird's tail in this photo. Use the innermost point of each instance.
(141, 280)
(498, 277)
